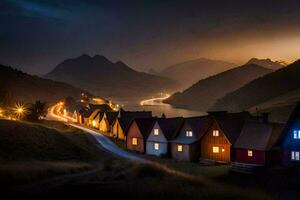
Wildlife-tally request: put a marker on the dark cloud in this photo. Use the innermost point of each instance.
(36, 35)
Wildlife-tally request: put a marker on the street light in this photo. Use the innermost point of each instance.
(19, 110)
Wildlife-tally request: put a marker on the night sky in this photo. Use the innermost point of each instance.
(36, 35)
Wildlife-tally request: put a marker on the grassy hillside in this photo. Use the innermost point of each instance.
(204, 93)
(30, 152)
(28, 88)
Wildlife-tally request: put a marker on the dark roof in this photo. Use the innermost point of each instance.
(145, 125)
(258, 135)
(111, 116)
(294, 117)
(199, 126)
(170, 126)
(232, 124)
(75, 107)
(127, 116)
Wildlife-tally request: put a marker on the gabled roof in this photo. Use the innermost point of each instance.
(170, 126)
(258, 135)
(294, 117)
(232, 124)
(145, 125)
(127, 116)
(199, 126)
(111, 116)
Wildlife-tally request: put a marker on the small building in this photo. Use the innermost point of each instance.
(164, 130)
(137, 134)
(290, 140)
(84, 115)
(217, 142)
(255, 145)
(123, 120)
(186, 145)
(92, 121)
(105, 125)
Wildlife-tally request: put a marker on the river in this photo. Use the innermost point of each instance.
(157, 107)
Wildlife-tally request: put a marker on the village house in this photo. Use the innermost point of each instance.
(218, 140)
(164, 130)
(123, 120)
(254, 148)
(137, 134)
(290, 140)
(84, 115)
(186, 145)
(105, 125)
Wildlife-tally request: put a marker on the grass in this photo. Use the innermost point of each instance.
(31, 152)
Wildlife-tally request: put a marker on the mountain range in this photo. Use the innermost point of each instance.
(267, 63)
(108, 79)
(264, 89)
(190, 72)
(29, 88)
(203, 94)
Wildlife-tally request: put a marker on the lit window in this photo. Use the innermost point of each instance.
(156, 131)
(179, 148)
(134, 141)
(295, 155)
(156, 146)
(223, 150)
(296, 134)
(215, 149)
(215, 133)
(94, 123)
(189, 133)
(250, 153)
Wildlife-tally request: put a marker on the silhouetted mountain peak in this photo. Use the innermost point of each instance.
(267, 63)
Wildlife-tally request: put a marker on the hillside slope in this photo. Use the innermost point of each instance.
(188, 73)
(262, 89)
(105, 78)
(204, 93)
(28, 88)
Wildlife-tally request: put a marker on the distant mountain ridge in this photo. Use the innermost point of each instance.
(258, 91)
(267, 63)
(108, 79)
(28, 88)
(203, 94)
(189, 72)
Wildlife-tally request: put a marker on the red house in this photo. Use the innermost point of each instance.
(137, 134)
(255, 145)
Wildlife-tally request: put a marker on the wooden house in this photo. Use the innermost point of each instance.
(290, 140)
(164, 130)
(123, 120)
(217, 142)
(85, 117)
(106, 122)
(92, 120)
(255, 145)
(137, 134)
(186, 145)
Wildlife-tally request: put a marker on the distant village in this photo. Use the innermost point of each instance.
(248, 143)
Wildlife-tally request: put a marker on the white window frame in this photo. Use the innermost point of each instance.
(216, 133)
(296, 134)
(134, 141)
(189, 133)
(216, 149)
(179, 148)
(156, 131)
(295, 155)
(156, 146)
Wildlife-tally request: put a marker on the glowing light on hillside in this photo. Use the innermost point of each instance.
(20, 110)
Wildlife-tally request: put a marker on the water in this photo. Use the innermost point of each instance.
(157, 107)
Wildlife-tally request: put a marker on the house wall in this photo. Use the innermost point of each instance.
(104, 126)
(258, 157)
(190, 152)
(160, 139)
(134, 132)
(209, 141)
